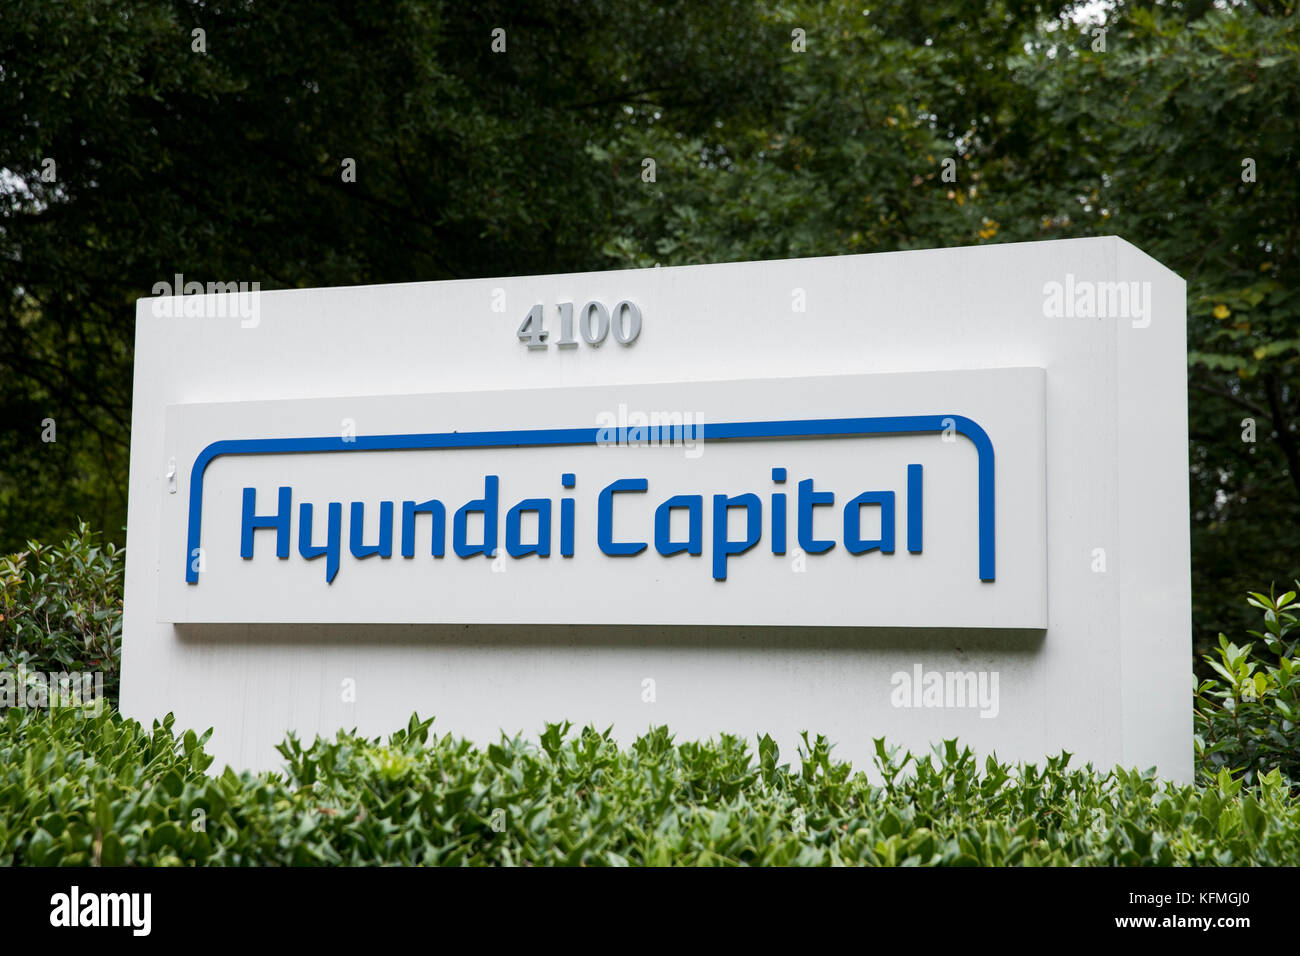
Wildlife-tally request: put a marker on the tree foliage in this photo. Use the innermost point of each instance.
(225, 166)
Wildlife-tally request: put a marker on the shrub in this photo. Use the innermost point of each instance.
(61, 608)
(1248, 717)
(87, 790)
(101, 790)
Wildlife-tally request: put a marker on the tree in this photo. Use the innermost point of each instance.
(1054, 130)
(210, 141)
(774, 130)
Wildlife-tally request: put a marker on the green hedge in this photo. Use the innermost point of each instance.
(61, 608)
(102, 790)
(99, 789)
(1248, 715)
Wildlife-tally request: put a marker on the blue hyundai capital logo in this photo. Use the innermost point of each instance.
(723, 546)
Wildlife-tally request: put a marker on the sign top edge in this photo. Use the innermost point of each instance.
(956, 251)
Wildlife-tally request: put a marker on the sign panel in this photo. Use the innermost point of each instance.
(843, 500)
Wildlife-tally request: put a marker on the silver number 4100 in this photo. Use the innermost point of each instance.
(594, 322)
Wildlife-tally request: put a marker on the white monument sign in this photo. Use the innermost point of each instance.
(915, 495)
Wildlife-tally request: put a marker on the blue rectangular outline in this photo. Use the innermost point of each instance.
(551, 437)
